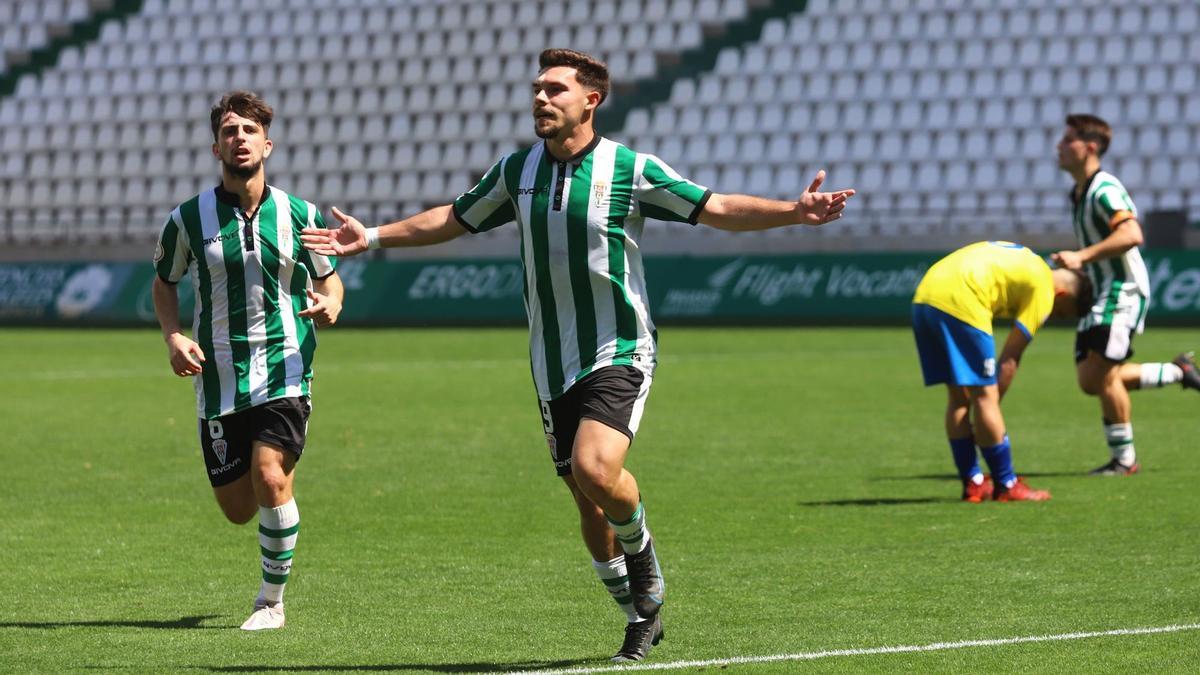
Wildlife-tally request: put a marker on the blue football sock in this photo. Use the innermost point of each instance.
(999, 460)
(965, 458)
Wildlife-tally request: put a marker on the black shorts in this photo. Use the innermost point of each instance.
(1114, 343)
(226, 441)
(615, 396)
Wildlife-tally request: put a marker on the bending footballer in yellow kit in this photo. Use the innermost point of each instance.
(953, 310)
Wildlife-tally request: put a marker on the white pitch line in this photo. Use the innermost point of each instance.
(901, 649)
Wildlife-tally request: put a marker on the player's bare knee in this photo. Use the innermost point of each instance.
(958, 407)
(957, 397)
(983, 396)
(595, 477)
(274, 483)
(270, 479)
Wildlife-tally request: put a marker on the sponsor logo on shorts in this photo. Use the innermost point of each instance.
(222, 469)
(220, 447)
(553, 444)
(989, 367)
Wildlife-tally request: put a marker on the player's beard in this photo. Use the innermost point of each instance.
(554, 129)
(547, 132)
(242, 172)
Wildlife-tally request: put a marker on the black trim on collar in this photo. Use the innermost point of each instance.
(577, 157)
(1087, 185)
(232, 199)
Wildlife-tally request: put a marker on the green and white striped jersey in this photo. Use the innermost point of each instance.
(580, 222)
(249, 275)
(1114, 279)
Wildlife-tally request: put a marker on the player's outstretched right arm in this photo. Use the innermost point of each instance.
(430, 227)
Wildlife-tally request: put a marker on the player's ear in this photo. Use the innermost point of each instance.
(593, 100)
(1064, 306)
(267, 145)
(215, 152)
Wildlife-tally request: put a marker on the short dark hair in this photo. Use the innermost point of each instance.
(245, 103)
(1079, 286)
(1091, 128)
(589, 71)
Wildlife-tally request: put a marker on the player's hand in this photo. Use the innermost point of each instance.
(818, 208)
(186, 356)
(1067, 260)
(349, 238)
(324, 309)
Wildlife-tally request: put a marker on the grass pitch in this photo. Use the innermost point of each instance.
(797, 481)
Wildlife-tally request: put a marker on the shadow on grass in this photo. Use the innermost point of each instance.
(953, 478)
(920, 476)
(882, 501)
(385, 667)
(184, 623)
(933, 477)
(1057, 474)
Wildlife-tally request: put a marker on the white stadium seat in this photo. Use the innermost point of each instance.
(908, 99)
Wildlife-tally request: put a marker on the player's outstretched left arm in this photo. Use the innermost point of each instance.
(745, 213)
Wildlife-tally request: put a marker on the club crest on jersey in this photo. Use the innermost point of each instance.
(159, 252)
(599, 191)
(220, 447)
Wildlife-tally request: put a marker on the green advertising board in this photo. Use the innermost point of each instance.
(867, 287)
(77, 293)
(841, 288)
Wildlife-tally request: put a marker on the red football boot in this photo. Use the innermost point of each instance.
(977, 493)
(1020, 492)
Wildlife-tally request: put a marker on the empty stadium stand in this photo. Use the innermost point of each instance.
(942, 114)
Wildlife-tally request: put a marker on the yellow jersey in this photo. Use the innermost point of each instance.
(987, 280)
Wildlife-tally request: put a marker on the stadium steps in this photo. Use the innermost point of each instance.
(647, 92)
(74, 35)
